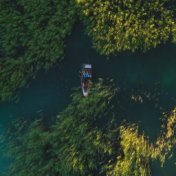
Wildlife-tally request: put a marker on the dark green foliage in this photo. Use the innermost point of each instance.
(123, 25)
(30, 150)
(86, 140)
(80, 143)
(32, 38)
(14, 75)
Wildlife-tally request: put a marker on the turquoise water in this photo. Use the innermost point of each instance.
(147, 84)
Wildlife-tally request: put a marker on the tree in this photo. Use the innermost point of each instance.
(86, 133)
(86, 140)
(135, 154)
(32, 38)
(122, 25)
(80, 143)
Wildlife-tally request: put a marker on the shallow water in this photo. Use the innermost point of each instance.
(147, 83)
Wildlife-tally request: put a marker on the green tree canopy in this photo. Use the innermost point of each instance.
(137, 152)
(86, 140)
(123, 25)
(32, 37)
(135, 157)
(80, 143)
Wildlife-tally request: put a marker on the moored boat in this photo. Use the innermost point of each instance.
(86, 78)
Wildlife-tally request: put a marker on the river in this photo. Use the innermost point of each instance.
(147, 82)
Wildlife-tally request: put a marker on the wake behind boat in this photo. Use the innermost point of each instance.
(86, 78)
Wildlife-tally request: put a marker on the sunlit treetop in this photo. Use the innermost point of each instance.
(123, 25)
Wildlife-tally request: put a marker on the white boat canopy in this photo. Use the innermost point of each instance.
(87, 66)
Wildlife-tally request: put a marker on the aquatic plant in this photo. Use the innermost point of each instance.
(120, 25)
(32, 38)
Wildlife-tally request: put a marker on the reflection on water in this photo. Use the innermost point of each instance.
(147, 84)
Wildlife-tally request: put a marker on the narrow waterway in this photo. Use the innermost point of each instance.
(147, 83)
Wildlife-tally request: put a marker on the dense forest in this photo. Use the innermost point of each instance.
(86, 139)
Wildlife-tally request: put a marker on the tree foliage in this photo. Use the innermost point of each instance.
(86, 140)
(137, 152)
(122, 25)
(32, 38)
(86, 133)
(30, 150)
(174, 34)
(78, 144)
(135, 155)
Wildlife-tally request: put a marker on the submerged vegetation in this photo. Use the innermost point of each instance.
(32, 38)
(86, 140)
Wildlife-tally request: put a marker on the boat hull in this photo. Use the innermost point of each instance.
(86, 78)
(85, 93)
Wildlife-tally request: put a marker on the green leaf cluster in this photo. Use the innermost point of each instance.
(32, 38)
(128, 25)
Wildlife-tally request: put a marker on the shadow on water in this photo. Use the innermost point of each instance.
(147, 83)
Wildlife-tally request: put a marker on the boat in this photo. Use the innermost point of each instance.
(86, 78)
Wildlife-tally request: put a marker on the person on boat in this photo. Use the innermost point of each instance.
(86, 75)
